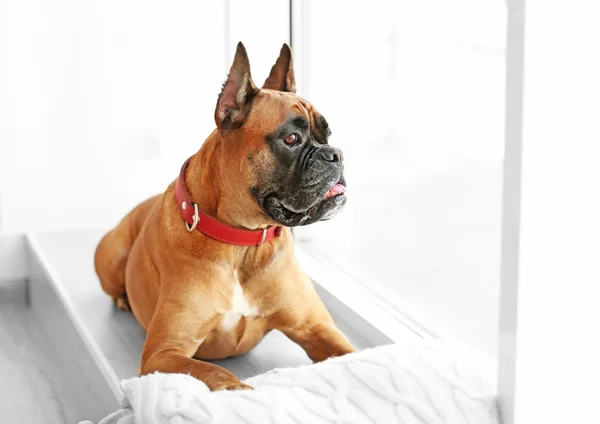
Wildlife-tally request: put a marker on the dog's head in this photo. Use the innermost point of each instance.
(279, 143)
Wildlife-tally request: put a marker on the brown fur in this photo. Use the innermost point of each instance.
(179, 284)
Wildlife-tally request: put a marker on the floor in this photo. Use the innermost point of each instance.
(30, 391)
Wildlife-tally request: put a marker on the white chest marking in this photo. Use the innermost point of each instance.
(239, 308)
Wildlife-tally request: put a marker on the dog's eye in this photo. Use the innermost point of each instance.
(291, 139)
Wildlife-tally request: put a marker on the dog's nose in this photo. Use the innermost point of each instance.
(331, 154)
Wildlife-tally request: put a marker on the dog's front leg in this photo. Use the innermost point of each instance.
(312, 327)
(321, 341)
(174, 335)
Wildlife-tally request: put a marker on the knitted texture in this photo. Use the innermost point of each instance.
(425, 383)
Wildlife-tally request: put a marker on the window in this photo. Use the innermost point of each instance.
(414, 94)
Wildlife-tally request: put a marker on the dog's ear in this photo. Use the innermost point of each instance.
(282, 73)
(235, 100)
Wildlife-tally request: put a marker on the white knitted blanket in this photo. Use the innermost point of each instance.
(425, 383)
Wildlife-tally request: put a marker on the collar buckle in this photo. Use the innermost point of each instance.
(192, 227)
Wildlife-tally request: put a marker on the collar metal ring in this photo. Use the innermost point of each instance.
(192, 227)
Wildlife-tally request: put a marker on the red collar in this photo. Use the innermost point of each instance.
(213, 228)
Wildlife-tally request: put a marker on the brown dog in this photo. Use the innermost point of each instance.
(266, 165)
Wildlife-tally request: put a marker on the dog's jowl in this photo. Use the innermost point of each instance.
(208, 266)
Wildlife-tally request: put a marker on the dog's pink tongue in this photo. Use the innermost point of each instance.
(335, 190)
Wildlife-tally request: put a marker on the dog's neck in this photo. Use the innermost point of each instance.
(213, 192)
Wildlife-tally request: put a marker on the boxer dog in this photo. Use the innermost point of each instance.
(208, 267)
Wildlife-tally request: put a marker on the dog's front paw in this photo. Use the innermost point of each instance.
(228, 385)
(239, 386)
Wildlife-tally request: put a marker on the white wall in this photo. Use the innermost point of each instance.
(100, 101)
